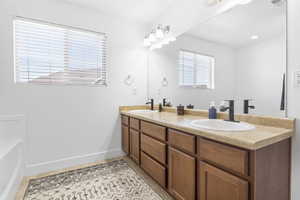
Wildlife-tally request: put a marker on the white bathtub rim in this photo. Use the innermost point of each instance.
(13, 183)
(5, 149)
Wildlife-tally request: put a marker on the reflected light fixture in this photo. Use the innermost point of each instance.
(254, 37)
(158, 37)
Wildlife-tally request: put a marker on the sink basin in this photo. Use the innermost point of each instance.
(142, 111)
(221, 125)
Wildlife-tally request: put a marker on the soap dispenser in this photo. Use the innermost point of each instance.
(212, 111)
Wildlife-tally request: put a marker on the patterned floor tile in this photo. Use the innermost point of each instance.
(114, 180)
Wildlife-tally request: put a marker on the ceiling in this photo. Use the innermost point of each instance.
(145, 11)
(236, 26)
(233, 27)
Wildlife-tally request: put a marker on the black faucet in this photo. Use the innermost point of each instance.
(151, 101)
(246, 106)
(166, 104)
(231, 110)
(164, 101)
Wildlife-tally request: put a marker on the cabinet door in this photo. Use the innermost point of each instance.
(182, 175)
(135, 145)
(125, 139)
(216, 184)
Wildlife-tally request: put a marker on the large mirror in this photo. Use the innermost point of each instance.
(239, 54)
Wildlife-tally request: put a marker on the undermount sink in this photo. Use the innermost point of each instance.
(142, 111)
(221, 125)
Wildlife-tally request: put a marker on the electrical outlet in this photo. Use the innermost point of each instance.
(297, 78)
(134, 91)
(158, 92)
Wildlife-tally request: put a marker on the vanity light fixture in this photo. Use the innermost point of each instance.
(158, 37)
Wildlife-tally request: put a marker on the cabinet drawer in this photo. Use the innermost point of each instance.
(229, 157)
(125, 139)
(183, 141)
(154, 169)
(154, 130)
(135, 145)
(125, 120)
(154, 148)
(134, 123)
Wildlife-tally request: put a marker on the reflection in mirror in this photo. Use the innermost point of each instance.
(239, 54)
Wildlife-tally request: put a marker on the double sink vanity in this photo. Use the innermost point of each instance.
(192, 157)
(238, 55)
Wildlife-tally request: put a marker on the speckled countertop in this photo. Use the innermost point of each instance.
(255, 139)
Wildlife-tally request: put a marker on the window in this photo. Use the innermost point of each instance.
(54, 54)
(196, 70)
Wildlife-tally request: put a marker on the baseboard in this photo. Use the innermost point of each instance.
(35, 169)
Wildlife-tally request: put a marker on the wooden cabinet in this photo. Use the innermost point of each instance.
(182, 175)
(154, 148)
(153, 130)
(216, 184)
(182, 141)
(135, 145)
(125, 139)
(229, 157)
(154, 169)
(192, 167)
(125, 120)
(135, 124)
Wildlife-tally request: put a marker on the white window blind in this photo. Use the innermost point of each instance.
(196, 70)
(53, 54)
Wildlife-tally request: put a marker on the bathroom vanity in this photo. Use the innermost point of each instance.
(193, 163)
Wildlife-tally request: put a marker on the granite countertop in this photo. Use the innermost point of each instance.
(261, 136)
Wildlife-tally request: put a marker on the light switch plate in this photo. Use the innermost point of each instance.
(297, 78)
(134, 91)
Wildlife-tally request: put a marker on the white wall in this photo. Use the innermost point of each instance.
(69, 125)
(164, 63)
(259, 71)
(294, 93)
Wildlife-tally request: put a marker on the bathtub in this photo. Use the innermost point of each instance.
(11, 155)
(11, 170)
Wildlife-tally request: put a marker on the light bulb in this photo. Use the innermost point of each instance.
(159, 32)
(152, 37)
(147, 42)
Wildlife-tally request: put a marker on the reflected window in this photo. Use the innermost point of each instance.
(196, 70)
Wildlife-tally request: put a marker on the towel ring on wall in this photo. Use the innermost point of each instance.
(129, 80)
(164, 82)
